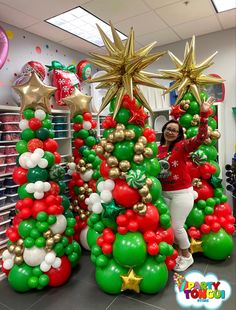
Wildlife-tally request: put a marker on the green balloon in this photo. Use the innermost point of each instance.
(37, 174)
(27, 134)
(52, 219)
(210, 151)
(21, 146)
(106, 132)
(155, 276)
(40, 242)
(29, 242)
(217, 245)
(33, 282)
(46, 123)
(23, 193)
(185, 120)
(51, 134)
(28, 114)
(83, 134)
(112, 105)
(214, 163)
(78, 119)
(212, 123)
(42, 133)
(109, 278)
(19, 277)
(34, 233)
(129, 250)
(65, 202)
(59, 249)
(213, 107)
(62, 185)
(192, 132)
(123, 116)
(155, 189)
(153, 146)
(101, 261)
(124, 150)
(90, 141)
(92, 236)
(153, 167)
(195, 218)
(43, 280)
(188, 96)
(137, 130)
(165, 221)
(193, 108)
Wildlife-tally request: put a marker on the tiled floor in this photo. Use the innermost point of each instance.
(82, 293)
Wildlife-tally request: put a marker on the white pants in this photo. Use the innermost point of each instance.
(180, 203)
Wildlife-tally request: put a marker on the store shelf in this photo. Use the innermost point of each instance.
(9, 206)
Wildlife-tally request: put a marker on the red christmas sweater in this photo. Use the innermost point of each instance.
(174, 174)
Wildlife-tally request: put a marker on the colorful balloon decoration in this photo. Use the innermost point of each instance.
(4, 46)
(210, 224)
(84, 168)
(129, 229)
(64, 79)
(84, 70)
(41, 250)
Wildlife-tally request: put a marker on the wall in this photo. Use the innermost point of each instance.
(25, 46)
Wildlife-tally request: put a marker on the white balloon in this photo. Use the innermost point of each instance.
(40, 114)
(83, 238)
(87, 201)
(57, 263)
(38, 195)
(8, 264)
(34, 256)
(23, 159)
(72, 166)
(6, 254)
(40, 152)
(50, 257)
(60, 225)
(46, 186)
(87, 125)
(43, 163)
(30, 188)
(69, 171)
(90, 207)
(39, 186)
(23, 124)
(106, 196)
(101, 186)
(30, 164)
(109, 185)
(35, 158)
(87, 176)
(97, 208)
(94, 197)
(45, 267)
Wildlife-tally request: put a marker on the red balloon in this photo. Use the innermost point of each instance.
(205, 191)
(205, 228)
(35, 123)
(152, 248)
(87, 116)
(104, 169)
(77, 126)
(125, 195)
(133, 225)
(78, 143)
(107, 248)
(149, 236)
(229, 228)
(92, 184)
(170, 263)
(215, 227)
(58, 276)
(168, 236)
(193, 169)
(12, 234)
(50, 145)
(34, 144)
(94, 124)
(39, 206)
(19, 175)
(25, 213)
(150, 220)
(223, 209)
(57, 158)
(28, 202)
(55, 189)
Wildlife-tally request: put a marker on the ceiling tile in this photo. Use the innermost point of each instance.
(116, 10)
(198, 27)
(154, 4)
(48, 31)
(180, 13)
(78, 44)
(13, 17)
(148, 22)
(228, 19)
(162, 37)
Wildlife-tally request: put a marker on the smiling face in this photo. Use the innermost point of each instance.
(171, 132)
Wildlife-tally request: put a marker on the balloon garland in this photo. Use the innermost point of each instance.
(41, 250)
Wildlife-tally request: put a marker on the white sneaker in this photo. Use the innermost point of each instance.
(183, 263)
(177, 259)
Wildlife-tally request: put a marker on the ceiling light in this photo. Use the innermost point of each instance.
(82, 24)
(225, 5)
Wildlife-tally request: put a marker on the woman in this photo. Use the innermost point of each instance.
(176, 180)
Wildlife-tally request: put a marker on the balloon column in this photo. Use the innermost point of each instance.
(129, 230)
(40, 250)
(64, 79)
(85, 165)
(210, 224)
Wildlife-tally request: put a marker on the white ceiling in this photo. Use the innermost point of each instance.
(164, 21)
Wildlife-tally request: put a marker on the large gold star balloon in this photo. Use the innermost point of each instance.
(124, 67)
(188, 75)
(35, 94)
(131, 281)
(78, 102)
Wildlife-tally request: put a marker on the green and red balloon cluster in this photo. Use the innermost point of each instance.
(41, 250)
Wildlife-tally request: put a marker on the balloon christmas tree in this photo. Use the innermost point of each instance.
(40, 250)
(129, 231)
(210, 224)
(85, 165)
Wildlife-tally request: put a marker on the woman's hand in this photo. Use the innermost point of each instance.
(205, 106)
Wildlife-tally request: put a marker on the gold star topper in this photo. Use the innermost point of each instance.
(78, 102)
(188, 75)
(124, 67)
(195, 246)
(35, 94)
(131, 281)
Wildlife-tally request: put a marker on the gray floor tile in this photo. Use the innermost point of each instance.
(124, 302)
(4, 307)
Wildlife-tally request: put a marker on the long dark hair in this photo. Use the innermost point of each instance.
(179, 137)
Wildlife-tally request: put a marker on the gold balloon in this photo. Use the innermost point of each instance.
(81, 190)
(147, 198)
(138, 158)
(148, 152)
(123, 175)
(110, 137)
(107, 155)
(139, 148)
(18, 260)
(35, 94)
(119, 135)
(18, 250)
(81, 197)
(47, 234)
(11, 248)
(120, 126)
(89, 166)
(83, 217)
(215, 134)
(195, 246)
(124, 165)
(57, 237)
(86, 185)
(103, 142)
(78, 102)
(82, 162)
(129, 134)
(50, 242)
(82, 169)
(207, 141)
(109, 147)
(89, 191)
(99, 149)
(144, 191)
(112, 161)
(149, 182)
(131, 281)
(20, 242)
(142, 140)
(114, 173)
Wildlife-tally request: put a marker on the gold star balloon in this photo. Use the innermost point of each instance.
(35, 94)
(195, 246)
(188, 75)
(131, 281)
(78, 102)
(124, 67)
